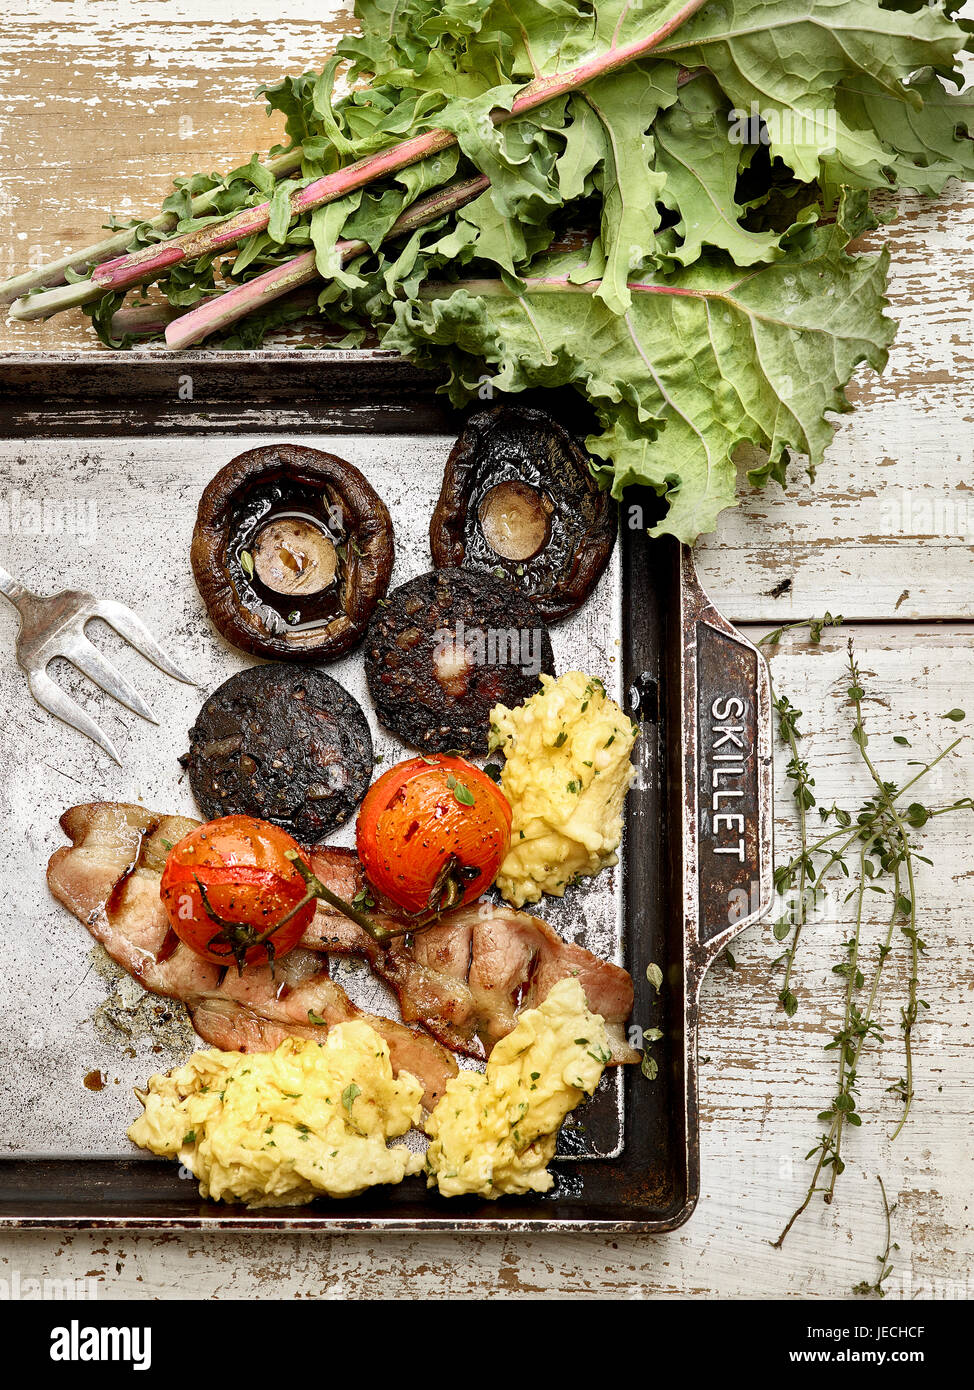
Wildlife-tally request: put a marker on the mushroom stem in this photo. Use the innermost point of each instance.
(294, 557)
(515, 520)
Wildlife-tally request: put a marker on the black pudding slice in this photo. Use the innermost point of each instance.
(444, 648)
(285, 743)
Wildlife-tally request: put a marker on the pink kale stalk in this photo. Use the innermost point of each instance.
(220, 236)
(154, 261)
(225, 309)
(235, 304)
(53, 273)
(142, 320)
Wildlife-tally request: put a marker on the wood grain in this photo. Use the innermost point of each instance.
(99, 103)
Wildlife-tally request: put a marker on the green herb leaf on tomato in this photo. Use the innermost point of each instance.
(462, 793)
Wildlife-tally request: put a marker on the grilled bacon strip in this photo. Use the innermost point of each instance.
(109, 878)
(465, 979)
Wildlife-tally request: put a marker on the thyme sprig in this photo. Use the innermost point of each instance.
(885, 1268)
(876, 848)
(799, 875)
(235, 939)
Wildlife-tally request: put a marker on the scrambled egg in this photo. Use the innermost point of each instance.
(495, 1132)
(313, 1118)
(309, 1119)
(566, 777)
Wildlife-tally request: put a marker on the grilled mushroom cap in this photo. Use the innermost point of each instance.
(291, 552)
(519, 499)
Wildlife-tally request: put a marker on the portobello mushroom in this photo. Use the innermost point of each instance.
(285, 743)
(292, 549)
(519, 499)
(447, 646)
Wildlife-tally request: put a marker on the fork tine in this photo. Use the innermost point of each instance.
(52, 698)
(130, 626)
(89, 660)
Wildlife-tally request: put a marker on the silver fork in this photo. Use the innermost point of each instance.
(55, 626)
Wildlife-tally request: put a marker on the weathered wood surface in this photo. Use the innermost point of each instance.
(98, 103)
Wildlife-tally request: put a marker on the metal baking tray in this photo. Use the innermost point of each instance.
(102, 460)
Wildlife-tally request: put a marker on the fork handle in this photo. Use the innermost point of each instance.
(11, 589)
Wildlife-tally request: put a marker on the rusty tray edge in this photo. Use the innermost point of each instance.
(378, 368)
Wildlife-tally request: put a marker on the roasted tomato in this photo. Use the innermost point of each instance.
(227, 885)
(432, 833)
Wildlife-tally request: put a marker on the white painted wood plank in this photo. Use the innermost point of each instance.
(888, 526)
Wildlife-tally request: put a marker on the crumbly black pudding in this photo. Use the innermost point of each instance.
(285, 743)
